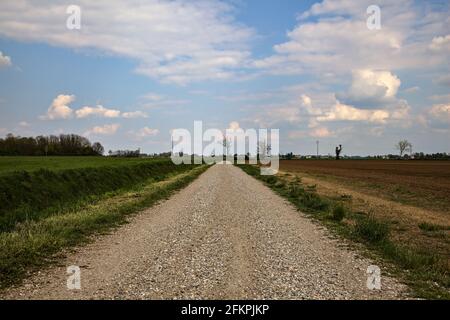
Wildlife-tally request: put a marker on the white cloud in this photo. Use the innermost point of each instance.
(436, 118)
(441, 43)
(143, 133)
(234, 125)
(173, 41)
(440, 112)
(59, 109)
(146, 132)
(342, 112)
(97, 111)
(337, 39)
(306, 103)
(107, 129)
(5, 61)
(371, 88)
(134, 114)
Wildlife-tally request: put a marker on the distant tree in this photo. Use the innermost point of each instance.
(289, 156)
(98, 148)
(129, 153)
(65, 144)
(403, 146)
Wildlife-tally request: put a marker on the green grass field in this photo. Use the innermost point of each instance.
(10, 164)
(51, 203)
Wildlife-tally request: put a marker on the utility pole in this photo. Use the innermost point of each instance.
(317, 152)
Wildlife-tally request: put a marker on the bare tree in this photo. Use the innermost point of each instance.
(262, 149)
(269, 149)
(403, 146)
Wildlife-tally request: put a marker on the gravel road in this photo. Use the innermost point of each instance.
(225, 236)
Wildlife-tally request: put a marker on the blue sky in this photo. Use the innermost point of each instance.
(314, 70)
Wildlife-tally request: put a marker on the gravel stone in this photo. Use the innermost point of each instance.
(225, 236)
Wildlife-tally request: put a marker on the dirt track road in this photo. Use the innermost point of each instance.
(225, 236)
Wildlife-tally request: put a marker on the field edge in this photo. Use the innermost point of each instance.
(38, 244)
(426, 276)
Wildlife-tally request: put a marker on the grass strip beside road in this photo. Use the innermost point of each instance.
(424, 271)
(36, 243)
(34, 195)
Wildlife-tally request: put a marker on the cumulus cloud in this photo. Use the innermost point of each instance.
(107, 129)
(234, 125)
(440, 112)
(97, 111)
(436, 118)
(371, 88)
(342, 112)
(172, 41)
(5, 61)
(335, 39)
(306, 104)
(59, 109)
(143, 133)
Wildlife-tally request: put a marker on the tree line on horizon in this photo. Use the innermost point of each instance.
(62, 145)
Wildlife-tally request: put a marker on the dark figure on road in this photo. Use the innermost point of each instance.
(338, 151)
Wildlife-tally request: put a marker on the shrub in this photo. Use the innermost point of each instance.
(372, 230)
(338, 212)
(271, 180)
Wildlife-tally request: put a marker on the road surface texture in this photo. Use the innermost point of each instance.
(225, 236)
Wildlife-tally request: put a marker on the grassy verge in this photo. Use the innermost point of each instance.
(424, 271)
(34, 195)
(35, 243)
(9, 164)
